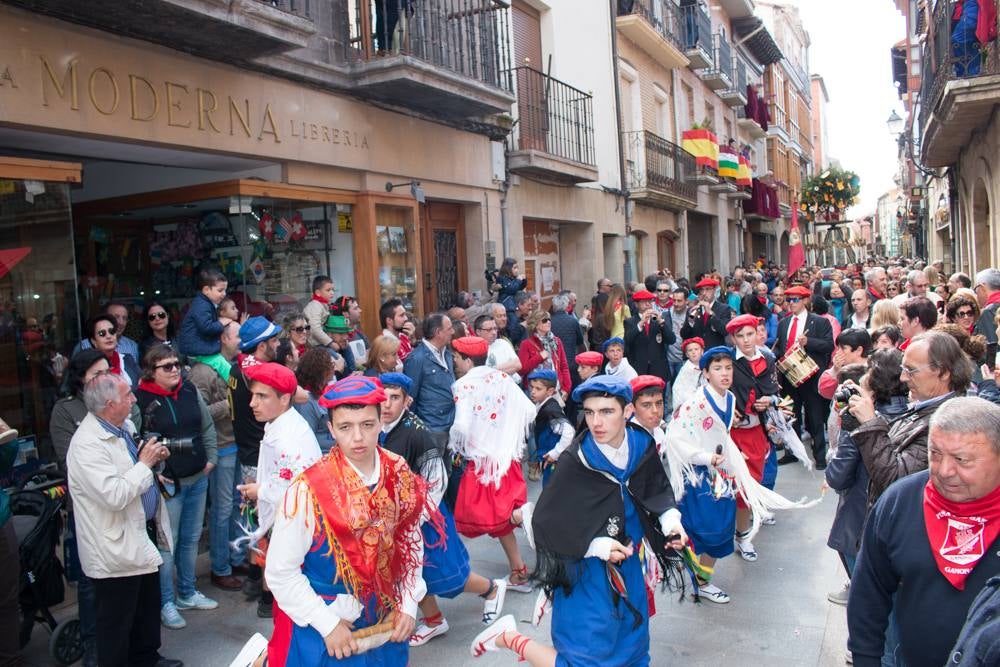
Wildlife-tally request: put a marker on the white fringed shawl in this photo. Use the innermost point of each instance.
(493, 419)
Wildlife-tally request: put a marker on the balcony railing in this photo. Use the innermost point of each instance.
(697, 28)
(553, 117)
(723, 54)
(741, 78)
(663, 15)
(301, 8)
(469, 37)
(657, 164)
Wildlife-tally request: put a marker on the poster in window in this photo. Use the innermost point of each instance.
(397, 239)
(382, 239)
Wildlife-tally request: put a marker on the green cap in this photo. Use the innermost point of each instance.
(337, 324)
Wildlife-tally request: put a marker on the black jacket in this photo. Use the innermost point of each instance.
(819, 345)
(646, 347)
(979, 643)
(566, 328)
(712, 330)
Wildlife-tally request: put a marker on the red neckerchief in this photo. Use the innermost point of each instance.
(993, 298)
(325, 302)
(153, 388)
(370, 532)
(905, 344)
(875, 295)
(960, 533)
(115, 362)
(405, 346)
(301, 349)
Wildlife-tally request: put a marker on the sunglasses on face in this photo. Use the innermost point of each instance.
(964, 313)
(102, 333)
(546, 321)
(665, 291)
(794, 299)
(169, 367)
(302, 329)
(157, 316)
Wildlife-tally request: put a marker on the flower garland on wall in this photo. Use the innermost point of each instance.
(827, 195)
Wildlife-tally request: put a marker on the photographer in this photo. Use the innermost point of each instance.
(120, 522)
(647, 338)
(708, 317)
(176, 412)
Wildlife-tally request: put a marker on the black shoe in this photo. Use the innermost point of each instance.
(786, 459)
(89, 654)
(265, 609)
(168, 662)
(252, 588)
(820, 466)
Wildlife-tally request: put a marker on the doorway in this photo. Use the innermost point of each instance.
(443, 240)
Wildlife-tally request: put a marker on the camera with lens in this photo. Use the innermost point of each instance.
(844, 392)
(173, 445)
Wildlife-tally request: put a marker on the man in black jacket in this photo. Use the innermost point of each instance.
(931, 544)
(814, 334)
(647, 337)
(707, 319)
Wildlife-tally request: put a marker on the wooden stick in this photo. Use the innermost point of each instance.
(385, 626)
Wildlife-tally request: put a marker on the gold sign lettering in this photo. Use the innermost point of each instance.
(7, 78)
(268, 122)
(58, 84)
(205, 111)
(133, 96)
(171, 104)
(92, 86)
(244, 118)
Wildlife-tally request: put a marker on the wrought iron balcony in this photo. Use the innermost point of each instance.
(718, 76)
(959, 91)
(697, 37)
(233, 31)
(659, 172)
(448, 58)
(655, 27)
(736, 95)
(553, 138)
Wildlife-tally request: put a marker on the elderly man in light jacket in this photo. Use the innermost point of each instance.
(120, 521)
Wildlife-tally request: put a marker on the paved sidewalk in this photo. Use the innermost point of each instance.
(779, 615)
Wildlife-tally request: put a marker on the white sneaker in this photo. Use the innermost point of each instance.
(542, 606)
(746, 550)
(525, 587)
(196, 600)
(527, 509)
(171, 618)
(713, 593)
(492, 608)
(486, 640)
(424, 633)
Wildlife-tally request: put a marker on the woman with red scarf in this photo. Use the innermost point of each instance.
(174, 409)
(542, 349)
(963, 311)
(102, 332)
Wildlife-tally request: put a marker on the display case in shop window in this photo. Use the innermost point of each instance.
(396, 244)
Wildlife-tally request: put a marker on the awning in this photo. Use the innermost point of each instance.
(9, 258)
(761, 44)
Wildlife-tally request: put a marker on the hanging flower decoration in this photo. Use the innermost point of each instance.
(826, 196)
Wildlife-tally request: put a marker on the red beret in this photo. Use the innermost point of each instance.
(590, 359)
(798, 290)
(352, 390)
(645, 381)
(738, 323)
(276, 376)
(697, 340)
(471, 346)
(643, 295)
(706, 282)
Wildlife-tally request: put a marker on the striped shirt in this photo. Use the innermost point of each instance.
(150, 499)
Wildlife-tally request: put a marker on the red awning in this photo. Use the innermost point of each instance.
(9, 259)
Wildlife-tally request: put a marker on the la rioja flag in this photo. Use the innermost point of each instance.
(796, 254)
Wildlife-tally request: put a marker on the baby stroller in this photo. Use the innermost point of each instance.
(36, 515)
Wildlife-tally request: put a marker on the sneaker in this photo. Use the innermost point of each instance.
(525, 587)
(713, 593)
(252, 588)
(746, 550)
(768, 519)
(487, 639)
(542, 605)
(265, 609)
(424, 633)
(492, 608)
(171, 618)
(534, 471)
(527, 509)
(840, 597)
(196, 601)
(849, 658)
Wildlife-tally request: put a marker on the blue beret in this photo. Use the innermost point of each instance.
(396, 380)
(605, 384)
(543, 374)
(612, 341)
(714, 352)
(352, 390)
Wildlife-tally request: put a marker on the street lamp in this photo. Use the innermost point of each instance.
(895, 124)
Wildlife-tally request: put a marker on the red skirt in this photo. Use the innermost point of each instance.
(755, 446)
(483, 509)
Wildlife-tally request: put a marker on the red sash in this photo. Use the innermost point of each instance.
(960, 533)
(372, 534)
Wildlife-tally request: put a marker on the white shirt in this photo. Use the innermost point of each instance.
(288, 447)
(800, 327)
(859, 323)
(292, 539)
(437, 354)
(900, 299)
(623, 370)
(502, 352)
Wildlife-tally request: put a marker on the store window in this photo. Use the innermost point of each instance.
(397, 251)
(38, 307)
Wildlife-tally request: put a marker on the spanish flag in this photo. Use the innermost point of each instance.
(703, 145)
(744, 176)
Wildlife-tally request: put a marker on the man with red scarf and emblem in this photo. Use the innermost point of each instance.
(346, 552)
(931, 543)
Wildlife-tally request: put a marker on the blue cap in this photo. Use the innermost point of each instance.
(714, 352)
(612, 341)
(400, 380)
(543, 374)
(606, 384)
(255, 331)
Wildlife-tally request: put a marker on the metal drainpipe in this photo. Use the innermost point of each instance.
(623, 187)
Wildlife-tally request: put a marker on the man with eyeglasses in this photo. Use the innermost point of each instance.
(501, 354)
(936, 370)
(988, 293)
(917, 284)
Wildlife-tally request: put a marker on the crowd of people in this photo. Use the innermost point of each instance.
(336, 471)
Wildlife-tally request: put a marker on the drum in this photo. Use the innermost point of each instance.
(797, 366)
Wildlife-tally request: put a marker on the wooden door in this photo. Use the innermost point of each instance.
(541, 259)
(444, 263)
(532, 105)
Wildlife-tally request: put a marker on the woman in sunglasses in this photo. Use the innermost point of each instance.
(159, 328)
(103, 335)
(298, 332)
(963, 311)
(175, 410)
